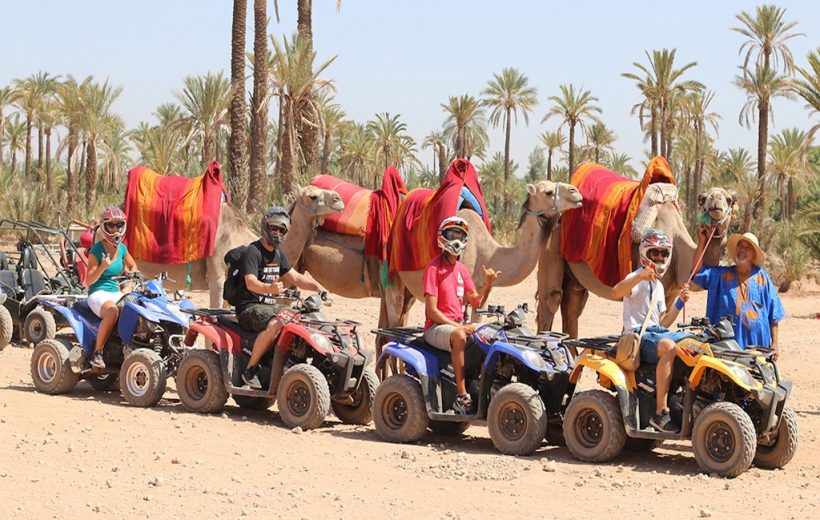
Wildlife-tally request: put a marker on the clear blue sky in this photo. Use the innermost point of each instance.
(408, 57)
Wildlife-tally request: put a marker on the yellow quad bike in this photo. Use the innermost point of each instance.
(729, 402)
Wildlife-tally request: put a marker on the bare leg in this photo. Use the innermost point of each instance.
(109, 314)
(264, 341)
(663, 373)
(458, 342)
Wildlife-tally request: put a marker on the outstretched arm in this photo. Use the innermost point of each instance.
(301, 281)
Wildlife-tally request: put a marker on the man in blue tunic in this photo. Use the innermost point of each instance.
(744, 290)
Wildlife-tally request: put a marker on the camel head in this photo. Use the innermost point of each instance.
(551, 198)
(717, 206)
(319, 202)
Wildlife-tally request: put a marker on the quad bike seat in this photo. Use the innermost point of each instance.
(33, 283)
(4, 262)
(473, 355)
(233, 325)
(8, 283)
(82, 308)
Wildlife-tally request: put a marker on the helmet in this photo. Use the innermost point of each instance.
(452, 235)
(275, 224)
(112, 221)
(656, 239)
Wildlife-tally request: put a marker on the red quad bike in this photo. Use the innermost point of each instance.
(317, 363)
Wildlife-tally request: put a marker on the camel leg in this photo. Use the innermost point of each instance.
(551, 269)
(574, 299)
(390, 315)
(215, 272)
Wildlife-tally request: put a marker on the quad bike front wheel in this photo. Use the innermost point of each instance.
(104, 382)
(399, 411)
(724, 439)
(360, 411)
(143, 378)
(781, 451)
(50, 367)
(517, 420)
(200, 384)
(39, 325)
(6, 327)
(594, 427)
(303, 397)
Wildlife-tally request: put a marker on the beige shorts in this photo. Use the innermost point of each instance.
(439, 336)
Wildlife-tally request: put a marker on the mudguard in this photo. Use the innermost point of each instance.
(129, 318)
(709, 362)
(218, 336)
(410, 356)
(500, 347)
(292, 329)
(84, 335)
(605, 367)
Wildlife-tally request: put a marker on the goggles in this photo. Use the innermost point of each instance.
(454, 234)
(663, 253)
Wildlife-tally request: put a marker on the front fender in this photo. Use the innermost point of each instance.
(211, 332)
(410, 356)
(84, 336)
(292, 330)
(603, 366)
(719, 365)
(500, 347)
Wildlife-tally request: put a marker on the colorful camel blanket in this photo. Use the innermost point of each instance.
(600, 232)
(172, 219)
(367, 213)
(413, 237)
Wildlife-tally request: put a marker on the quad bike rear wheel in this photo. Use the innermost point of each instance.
(779, 453)
(399, 411)
(200, 384)
(6, 327)
(143, 378)
(104, 382)
(724, 439)
(39, 325)
(594, 427)
(50, 367)
(517, 420)
(360, 411)
(303, 397)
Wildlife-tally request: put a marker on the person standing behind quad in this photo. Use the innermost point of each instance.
(108, 258)
(744, 291)
(447, 283)
(264, 271)
(657, 342)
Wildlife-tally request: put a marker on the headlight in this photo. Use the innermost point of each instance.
(742, 374)
(534, 358)
(322, 341)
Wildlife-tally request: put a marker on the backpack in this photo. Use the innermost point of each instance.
(233, 282)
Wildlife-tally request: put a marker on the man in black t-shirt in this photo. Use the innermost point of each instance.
(265, 271)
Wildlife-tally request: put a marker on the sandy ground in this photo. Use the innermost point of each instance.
(88, 455)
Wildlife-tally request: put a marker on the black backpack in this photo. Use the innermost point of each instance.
(233, 282)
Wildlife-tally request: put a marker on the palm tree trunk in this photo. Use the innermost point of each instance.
(48, 161)
(238, 178)
(687, 184)
(549, 164)
(653, 130)
(279, 131)
(663, 130)
(286, 157)
(27, 170)
(304, 24)
(259, 108)
(571, 151)
(40, 150)
(759, 211)
(792, 195)
(326, 143)
(597, 155)
(442, 162)
(13, 161)
(90, 173)
(507, 160)
(2, 155)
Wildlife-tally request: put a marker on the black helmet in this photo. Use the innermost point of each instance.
(275, 224)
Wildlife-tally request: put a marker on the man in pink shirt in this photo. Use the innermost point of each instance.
(447, 283)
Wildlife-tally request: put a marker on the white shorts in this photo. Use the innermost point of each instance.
(98, 298)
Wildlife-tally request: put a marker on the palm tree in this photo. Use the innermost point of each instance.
(553, 141)
(115, 150)
(648, 108)
(621, 163)
(238, 162)
(70, 96)
(386, 132)
(332, 116)
(259, 108)
(15, 135)
(660, 80)
(738, 166)
(573, 109)
(761, 88)
(7, 96)
(697, 116)
(44, 85)
(435, 140)
(465, 126)
(789, 163)
(808, 87)
(96, 117)
(206, 99)
(28, 100)
(599, 140)
(357, 154)
(491, 174)
(766, 34)
(48, 118)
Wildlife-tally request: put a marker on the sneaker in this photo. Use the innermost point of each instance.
(251, 377)
(663, 423)
(97, 361)
(464, 405)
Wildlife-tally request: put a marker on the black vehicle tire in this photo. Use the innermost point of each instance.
(517, 420)
(642, 445)
(399, 411)
(104, 382)
(724, 439)
(247, 402)
(50, 368)
(200, 384)
(361, 411)
(143, 378)
(448, 428)
(303, 397)
(781, 452)
(39, 325)
(594, 427)
(6, 327)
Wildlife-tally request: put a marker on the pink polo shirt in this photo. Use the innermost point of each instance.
(449, 283)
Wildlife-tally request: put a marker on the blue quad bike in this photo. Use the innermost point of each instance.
(145, 348)
(518, 380)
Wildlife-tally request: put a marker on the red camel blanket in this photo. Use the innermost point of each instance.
(413, 237)
(600, 232)
(171, 219)
(367, 213)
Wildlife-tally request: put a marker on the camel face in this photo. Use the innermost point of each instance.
(542, 197)
(320, 202)
(716, 202)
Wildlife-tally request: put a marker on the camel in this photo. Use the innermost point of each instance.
(310, 205)
(566, 285)
(545, 202)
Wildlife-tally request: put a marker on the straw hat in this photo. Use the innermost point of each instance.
(731, 244)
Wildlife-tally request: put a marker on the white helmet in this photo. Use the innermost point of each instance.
(655, 239)
(452, 235)
(112, 222)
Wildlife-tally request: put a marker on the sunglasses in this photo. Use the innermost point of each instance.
(114, 225)
(454, 234)
(663, 253)
(281, 230)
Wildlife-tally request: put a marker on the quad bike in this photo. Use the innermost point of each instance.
(519, 381)
(317, 363)
(143, 350)
(731, 403)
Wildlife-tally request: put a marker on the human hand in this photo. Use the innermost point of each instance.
(468, 328)
(648, 274)
(276, 287)
(776, 353)
(703, 233)
(684, 293)
(106, 261)
(490, 275)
